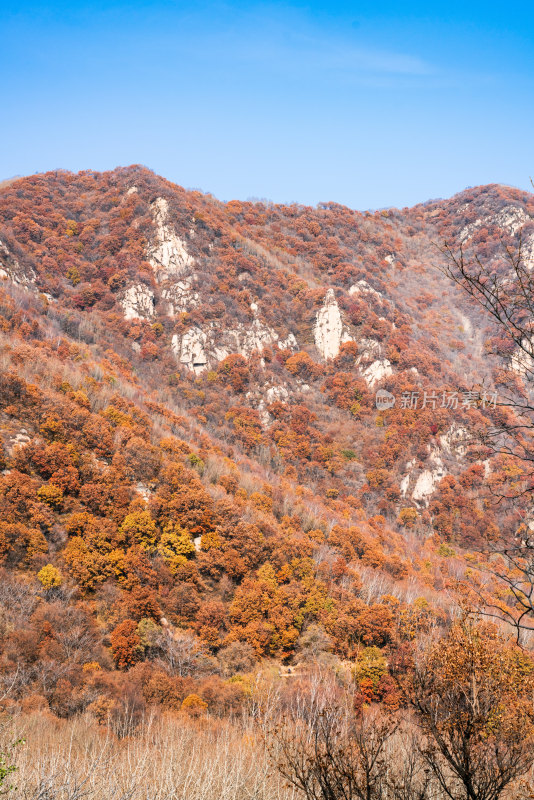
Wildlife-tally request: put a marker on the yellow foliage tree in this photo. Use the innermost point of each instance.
(51, 495)
(407, 517)
(370, 666)
(194, 705)
(50, 577)
(139, 528)
(175, 545)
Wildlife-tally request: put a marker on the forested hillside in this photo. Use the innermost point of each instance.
(197, 484)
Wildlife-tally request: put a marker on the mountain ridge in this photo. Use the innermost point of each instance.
(190, 432)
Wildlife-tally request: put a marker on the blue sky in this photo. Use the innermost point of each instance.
(366, 103)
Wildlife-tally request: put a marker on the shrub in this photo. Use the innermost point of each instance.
(50, 577)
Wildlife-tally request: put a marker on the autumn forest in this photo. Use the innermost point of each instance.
(228, 567)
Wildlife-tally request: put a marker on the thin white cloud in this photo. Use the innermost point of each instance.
(285, 40)
(326, 50)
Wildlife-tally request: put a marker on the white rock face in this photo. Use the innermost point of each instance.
(191, 349)
(452, 443)
(255, 337)
(510, 218)
(243, 340)
(362, 287)
(405, 481)
(137, 302)
(329, 331)
(467, 232)
(527, 252)
(428, 479)
(168, 254)
(19, 439)
(272, 394)
(180, 296)
(276, 393)
(467, 325)
(425, 485)
(377, 371)
(454, 440)
(144, 491)
(11, 270)
(198, 349)
(373, 366)
(370, 349)
(289, 343)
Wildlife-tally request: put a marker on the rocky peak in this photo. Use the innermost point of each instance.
(167, 255)
(329, 331)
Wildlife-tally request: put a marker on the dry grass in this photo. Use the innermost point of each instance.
(168, 757)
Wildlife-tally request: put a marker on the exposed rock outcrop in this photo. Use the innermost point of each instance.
(454, 440)
(452, 446)
(377, 371)
(244, 339)
(404, 484)
(198, 349)
(363, 288)
(270, 394)
(11, 270)
(167, 255)
(428, 479)
(191, 349)
(527, 252)
(137, 302)
(289, 343)
(180, 296)
(373, 366)
(329, 331)
(510, 218)
(19, 439)
(255, 337)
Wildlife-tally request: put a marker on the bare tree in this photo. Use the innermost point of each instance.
(166, 759)
(339, 756)
(409, 776)
(473, 701)
(182, 652)
(507, 295)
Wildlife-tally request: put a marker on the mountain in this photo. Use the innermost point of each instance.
(197, 475)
